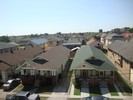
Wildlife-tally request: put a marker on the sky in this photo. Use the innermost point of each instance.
(22, 17)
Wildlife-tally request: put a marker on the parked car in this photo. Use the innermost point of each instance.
(23, 96)
(10, 84)
(95, 98)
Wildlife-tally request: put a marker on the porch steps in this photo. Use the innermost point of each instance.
(37, 83)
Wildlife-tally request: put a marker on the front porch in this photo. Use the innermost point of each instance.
(94, 77)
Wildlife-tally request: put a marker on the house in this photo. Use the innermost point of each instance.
(121, 54)
(7, 47)
(95, 43)
(53, 41)
(92, 65)
(72, 43)
(46, 67)
(9, 61)
(111, 37)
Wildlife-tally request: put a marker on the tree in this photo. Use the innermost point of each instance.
(4, 39)
(131, 30)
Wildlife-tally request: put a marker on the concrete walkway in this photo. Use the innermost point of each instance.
(118, 90)
(85, 92)
(105, 92)
(72, 90)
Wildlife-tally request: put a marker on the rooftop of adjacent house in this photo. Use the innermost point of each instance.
(4, 66)
(85, 55)
(4, 45)
(17, 56)
(114, 36)
(52, 59)
(125, 49)
(39, 41)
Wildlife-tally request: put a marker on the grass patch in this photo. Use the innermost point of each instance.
(76, 90)
(112, 90)
(43, 98)
(18, 88)
(45, 89)
(73, 99)
(95, 91)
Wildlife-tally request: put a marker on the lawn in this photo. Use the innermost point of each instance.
(45, 89)
(77, 90)
(112, 90)
(43, 98)
(94, 91)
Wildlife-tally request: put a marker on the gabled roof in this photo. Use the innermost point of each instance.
(94, 42)
(52, 59)
(88, 51)
(18, 56)
(4, 45)
(125, 49)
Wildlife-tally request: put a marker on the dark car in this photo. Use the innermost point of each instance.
(10, 84)
(95, 98)
(23, 96)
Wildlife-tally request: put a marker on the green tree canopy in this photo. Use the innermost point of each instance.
(4, 39)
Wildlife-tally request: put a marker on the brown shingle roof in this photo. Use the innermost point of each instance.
(54, 57)
(125, 49)
(4, 66)
(19, 55)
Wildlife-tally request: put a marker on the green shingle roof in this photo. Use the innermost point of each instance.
(83, 57)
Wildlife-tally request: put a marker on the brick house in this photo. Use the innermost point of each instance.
(46, 67)
(121, 54)
(9, 61)
(92, 65)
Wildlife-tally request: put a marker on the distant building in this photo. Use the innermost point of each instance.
(100, 30)
(113, 37)
(72, 43)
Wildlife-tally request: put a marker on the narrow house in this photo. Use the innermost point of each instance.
(47, 67)
(121, 54)
(92, 65)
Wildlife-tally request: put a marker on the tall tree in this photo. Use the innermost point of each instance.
(4, 39)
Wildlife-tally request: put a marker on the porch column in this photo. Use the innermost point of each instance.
(4, 76)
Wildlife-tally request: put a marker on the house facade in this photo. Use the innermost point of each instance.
(47, 67)
(120, 53)
(92, 65)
